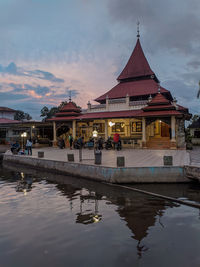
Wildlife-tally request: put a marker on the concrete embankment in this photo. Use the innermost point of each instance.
(171, 174)
(192, 172)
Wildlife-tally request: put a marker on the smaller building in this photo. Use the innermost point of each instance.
(6, 124)
(195, 132)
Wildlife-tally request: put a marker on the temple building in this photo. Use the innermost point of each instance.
(144, 113)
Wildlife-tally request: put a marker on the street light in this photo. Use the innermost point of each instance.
(23, 135)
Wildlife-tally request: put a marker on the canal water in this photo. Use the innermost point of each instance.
(75, 222)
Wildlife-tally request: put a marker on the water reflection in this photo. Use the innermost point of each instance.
(87, 200)
(86, 216)
(24, 184)
(140, 212)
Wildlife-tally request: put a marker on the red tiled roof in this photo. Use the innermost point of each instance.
(7, 121)
(137, 65)
(128, 113)
(160, 113)
(111, 114)
(70, 106)
(65, 114)
(159, 99)
(182, 108)
(161, 103)
(119, 114)
(133, 88)
(7, 109)
(159, 107)
(63, 118)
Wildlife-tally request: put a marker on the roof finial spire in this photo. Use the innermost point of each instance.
(158, 87)
(138, 29)
(70, 96)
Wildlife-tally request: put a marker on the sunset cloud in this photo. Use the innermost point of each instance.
(51, 48)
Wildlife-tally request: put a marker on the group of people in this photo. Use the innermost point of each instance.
(61, 142)
(15, 147)
(79, 143)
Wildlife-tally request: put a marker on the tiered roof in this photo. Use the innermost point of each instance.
(137, 65)
(137, 79)
(160, 106)
(68, 112)
(133, 89)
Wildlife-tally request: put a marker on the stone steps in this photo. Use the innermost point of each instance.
(159, 144)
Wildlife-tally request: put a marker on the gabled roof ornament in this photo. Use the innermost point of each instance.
(150, 98)
(138, 29)
(70, 96)
(159, 88)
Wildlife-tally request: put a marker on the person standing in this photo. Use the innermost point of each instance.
(29, 146)
(71, 141)
(115, 140)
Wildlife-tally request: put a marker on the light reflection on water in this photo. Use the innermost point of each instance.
(76, 222)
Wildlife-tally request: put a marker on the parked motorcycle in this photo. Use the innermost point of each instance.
(108, 144)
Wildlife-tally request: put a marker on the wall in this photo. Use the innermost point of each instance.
(105, 174)
(7, 115)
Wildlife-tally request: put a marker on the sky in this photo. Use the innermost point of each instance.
(50, 48)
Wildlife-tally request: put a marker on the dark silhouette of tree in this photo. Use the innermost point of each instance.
(47, 113)
(21, 116)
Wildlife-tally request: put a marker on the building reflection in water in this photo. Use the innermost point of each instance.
(24, 183)
(86, 198)
(93, 216)
(140, 212)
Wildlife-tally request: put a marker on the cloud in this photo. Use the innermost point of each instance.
(39, 74)
(195, 64)
(173, 25)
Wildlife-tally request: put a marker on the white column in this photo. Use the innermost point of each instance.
(54, 132)
(74, 129)
(106, 129)
(107, 103)
(127, 101)
(143, 130)
(173, 135)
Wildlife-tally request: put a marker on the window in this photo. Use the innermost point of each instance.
(16, 132)
(136, 126)
(2, 133)
(197, 134)
(100, 127)
(118, 127)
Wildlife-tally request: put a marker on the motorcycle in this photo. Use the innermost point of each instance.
(108, 144)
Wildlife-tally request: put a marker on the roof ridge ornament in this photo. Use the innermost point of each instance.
(70, 96)
(138, 29)
(158, 88)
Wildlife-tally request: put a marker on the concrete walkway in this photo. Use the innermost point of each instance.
(133, 157)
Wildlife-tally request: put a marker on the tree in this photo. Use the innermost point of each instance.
(21, 115)
(48, 113)
(194, 118)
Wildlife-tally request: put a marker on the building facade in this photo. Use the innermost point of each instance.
(138, 108)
